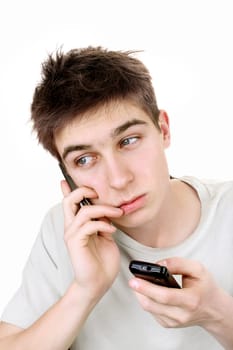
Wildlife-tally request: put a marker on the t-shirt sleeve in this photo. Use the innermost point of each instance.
(42, 283)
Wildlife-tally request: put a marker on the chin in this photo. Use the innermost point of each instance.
(130, 221)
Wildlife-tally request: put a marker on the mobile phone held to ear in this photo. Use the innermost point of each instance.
(154, 273)
(72, 184)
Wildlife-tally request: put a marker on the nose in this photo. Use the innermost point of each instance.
(119, 174)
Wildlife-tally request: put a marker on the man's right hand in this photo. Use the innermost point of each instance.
(88, 236)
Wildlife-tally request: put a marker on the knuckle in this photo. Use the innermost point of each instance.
(200, 269)
(169, 323)
(146, 304)
(193, 303)
(183, 319)
(165, 297)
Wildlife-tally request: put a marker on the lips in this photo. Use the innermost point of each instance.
(133, 204)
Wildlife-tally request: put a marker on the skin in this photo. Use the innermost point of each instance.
(116, 156)
(118, 172)
(117, 167)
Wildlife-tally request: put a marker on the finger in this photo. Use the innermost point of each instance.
(70, 208)
(186, 299)
(65, 188)
(90, 228)
(72, 199)
(78, 194)
(167, 315)
(160, 294)
(165, 321)
(182, 266)
(93, 212)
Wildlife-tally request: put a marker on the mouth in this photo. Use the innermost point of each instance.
(133, 204)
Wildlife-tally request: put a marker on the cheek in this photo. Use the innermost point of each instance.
(99, 187)
(95, 182)
(153, 165)
(151, 156)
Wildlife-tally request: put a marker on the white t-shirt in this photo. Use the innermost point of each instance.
(118, 322)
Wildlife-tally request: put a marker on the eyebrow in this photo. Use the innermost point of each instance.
(121, 128)
(74, 148)
(116, 132)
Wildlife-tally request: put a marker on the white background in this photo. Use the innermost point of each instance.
(188, 49)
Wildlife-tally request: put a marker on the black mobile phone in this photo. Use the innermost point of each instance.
(154, 273)
(73, 186)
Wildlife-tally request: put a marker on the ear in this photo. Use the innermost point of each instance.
(164, 128)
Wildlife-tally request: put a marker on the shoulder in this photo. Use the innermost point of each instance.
(210, 188)
(52, 229)
(54, 218)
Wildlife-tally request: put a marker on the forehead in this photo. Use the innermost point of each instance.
(99, 124)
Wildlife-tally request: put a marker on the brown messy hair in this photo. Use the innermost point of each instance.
(84, 79)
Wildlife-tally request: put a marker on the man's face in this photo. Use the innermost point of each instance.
(119, 152)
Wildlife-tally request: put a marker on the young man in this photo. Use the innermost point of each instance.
(96, 112)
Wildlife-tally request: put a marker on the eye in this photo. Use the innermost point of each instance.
(129, 141)
(84, 160)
